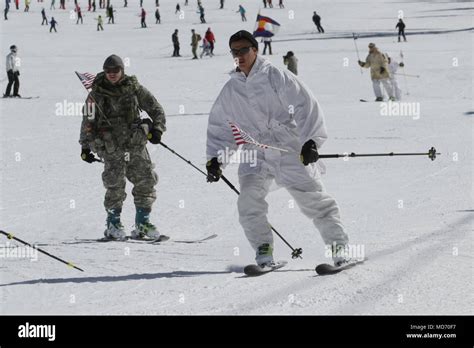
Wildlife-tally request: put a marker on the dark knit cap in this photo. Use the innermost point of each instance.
(113, 61)
(243, 35)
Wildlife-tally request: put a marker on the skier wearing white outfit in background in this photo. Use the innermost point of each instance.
(258, 98)
(392, 68)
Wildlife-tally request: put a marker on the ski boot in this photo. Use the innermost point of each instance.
(264, 256)
(144, 229)
(115, 228)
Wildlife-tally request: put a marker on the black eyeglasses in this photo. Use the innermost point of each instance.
(112, 70)
(240, 52)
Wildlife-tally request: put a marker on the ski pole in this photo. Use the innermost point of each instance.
(295, 252)
(431, 154)
(10, 236)
(357, 50)
(407, 75)
(406, 83)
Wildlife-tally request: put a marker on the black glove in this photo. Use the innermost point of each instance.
(154, 135)
(17, 73)
(309, 153)
(87, 156)
(214, 171)
(361, 63)
(382, 70)
(402, 64)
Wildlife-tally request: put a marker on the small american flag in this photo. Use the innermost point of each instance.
(86, 79)
(241, 138)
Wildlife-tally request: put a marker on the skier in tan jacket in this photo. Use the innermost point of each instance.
(379, 73)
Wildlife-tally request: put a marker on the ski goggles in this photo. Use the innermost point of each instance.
(240, 52)
(115, 70)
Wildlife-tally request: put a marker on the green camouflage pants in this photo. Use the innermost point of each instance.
(130, 162)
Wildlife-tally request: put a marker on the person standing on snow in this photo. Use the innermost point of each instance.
(291, 61)
(175, 40)
(143, 18)
(401, 30)
(100, 23)
(378, 64)
(43, 15)
(257, 98)
(242, 13)
(79, 15)
(392, 68)
(195, 38)
(209, 36)
(157, 16)
(52, 24)
(317, 22)
(12, 73)
(113, 129)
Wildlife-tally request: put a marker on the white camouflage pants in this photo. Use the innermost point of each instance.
(386, 84)
(396, 90)
(311, 198)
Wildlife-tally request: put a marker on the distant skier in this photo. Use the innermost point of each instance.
(12, 72)
(7, 8)
(195, 38)
(392, 68)
(211, 39)
(125, 3)
(52, 24)
(79, 15)
(52, 6)
(257, 98)
(43, 15)
(265, 3)
(113, 129)
(267, 41)
(178, 9)
(317, 22)
(62, 4)
(110, 13)
(222, 4)
(206, 48)
(201, 14)
(100, 23)
(291, 61)
(270, 3)
(143, 18)
(27, 5)
(175, 40)
(401, 30)
(280, 3)
(378, 64)
(242, 13)
(157, 16)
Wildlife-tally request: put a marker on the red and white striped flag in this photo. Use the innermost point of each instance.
(241, 138)
(86, 79)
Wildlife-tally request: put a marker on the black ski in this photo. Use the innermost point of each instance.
(327, 269)
(21, 97)
(256, 270)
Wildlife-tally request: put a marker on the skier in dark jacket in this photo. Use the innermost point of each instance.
(53, 25)
(175, 40)
(43, 15)
(401, 30)
(317, 22)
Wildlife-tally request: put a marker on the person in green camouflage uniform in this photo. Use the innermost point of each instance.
(112, 129)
